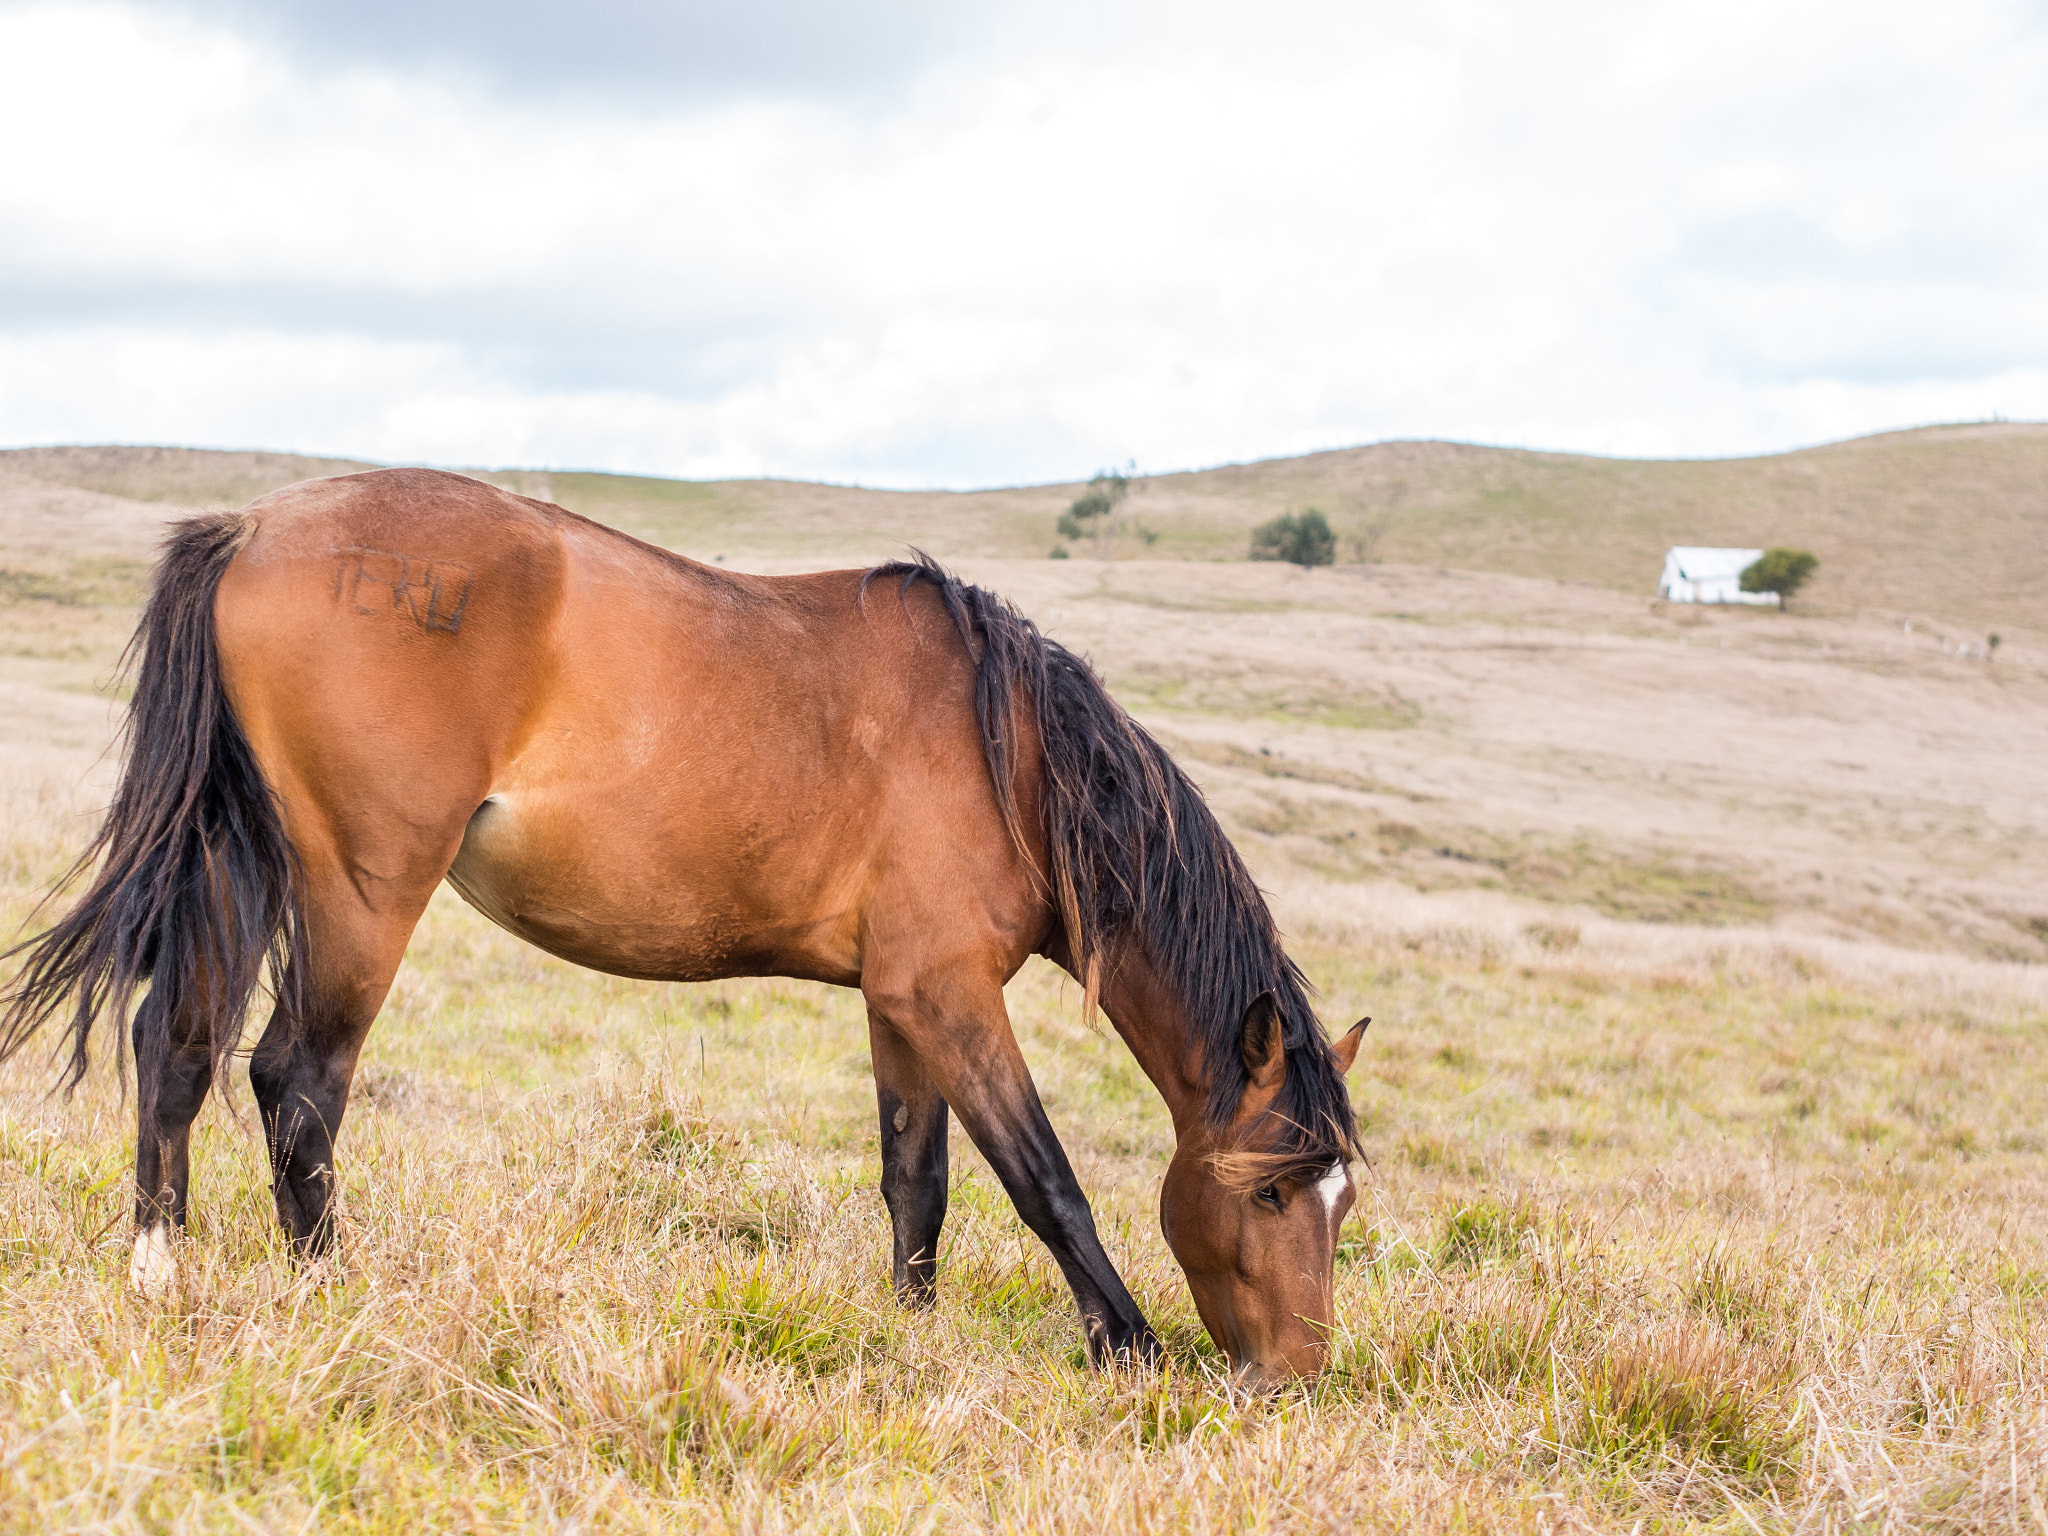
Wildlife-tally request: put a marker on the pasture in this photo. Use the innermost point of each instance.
(1705, 1095)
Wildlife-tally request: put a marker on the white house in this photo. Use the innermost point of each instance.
(1710, 576)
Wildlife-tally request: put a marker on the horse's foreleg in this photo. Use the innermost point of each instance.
(913, 1114)
(961, 1031)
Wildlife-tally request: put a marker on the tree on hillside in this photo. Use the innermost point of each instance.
(1093, 513)
(1783, 571)
(1302, 539)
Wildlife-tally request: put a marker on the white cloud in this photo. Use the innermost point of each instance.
(1665, 229)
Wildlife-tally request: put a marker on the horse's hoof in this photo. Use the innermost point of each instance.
(152, 1268)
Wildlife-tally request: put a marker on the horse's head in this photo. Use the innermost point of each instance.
(1254, 1225)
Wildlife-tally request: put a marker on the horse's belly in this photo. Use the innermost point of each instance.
(562, 882)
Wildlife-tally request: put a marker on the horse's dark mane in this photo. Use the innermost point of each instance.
(1136, 856)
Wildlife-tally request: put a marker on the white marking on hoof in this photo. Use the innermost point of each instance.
(152, 1269)
(1331, 1185)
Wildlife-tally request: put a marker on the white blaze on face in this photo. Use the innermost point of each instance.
(152, 1267)
(1331, 1187)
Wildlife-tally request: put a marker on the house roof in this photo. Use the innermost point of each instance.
(1696, 563)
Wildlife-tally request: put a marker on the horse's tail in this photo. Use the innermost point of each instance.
(196, 884)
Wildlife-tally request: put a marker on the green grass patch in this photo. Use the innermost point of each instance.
(770, 1319)
(1485, 1230)
(1688, 1395)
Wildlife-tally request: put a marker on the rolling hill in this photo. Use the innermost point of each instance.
(1949, 522)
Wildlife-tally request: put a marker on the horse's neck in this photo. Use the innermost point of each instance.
(1147, 1012)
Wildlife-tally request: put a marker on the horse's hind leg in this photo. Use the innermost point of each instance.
(301, 1075)
(163, 1142)
(914, 1119)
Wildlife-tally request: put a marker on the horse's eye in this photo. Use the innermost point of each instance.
(1270, 1195)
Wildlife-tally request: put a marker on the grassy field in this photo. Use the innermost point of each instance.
(1709, 1178)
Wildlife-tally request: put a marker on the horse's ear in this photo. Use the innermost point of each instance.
(1264, 1057)
(1346, 1049)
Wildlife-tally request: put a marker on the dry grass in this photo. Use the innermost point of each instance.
(1738, 1221)
(1705, 1247)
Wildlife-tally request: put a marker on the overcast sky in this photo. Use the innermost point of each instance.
(930, 242)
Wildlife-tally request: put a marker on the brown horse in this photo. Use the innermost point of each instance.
(357, 688)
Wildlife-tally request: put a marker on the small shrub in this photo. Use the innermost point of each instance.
(1090, 513)
(1059, 552)
(1302, 539)
(1783, 571)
